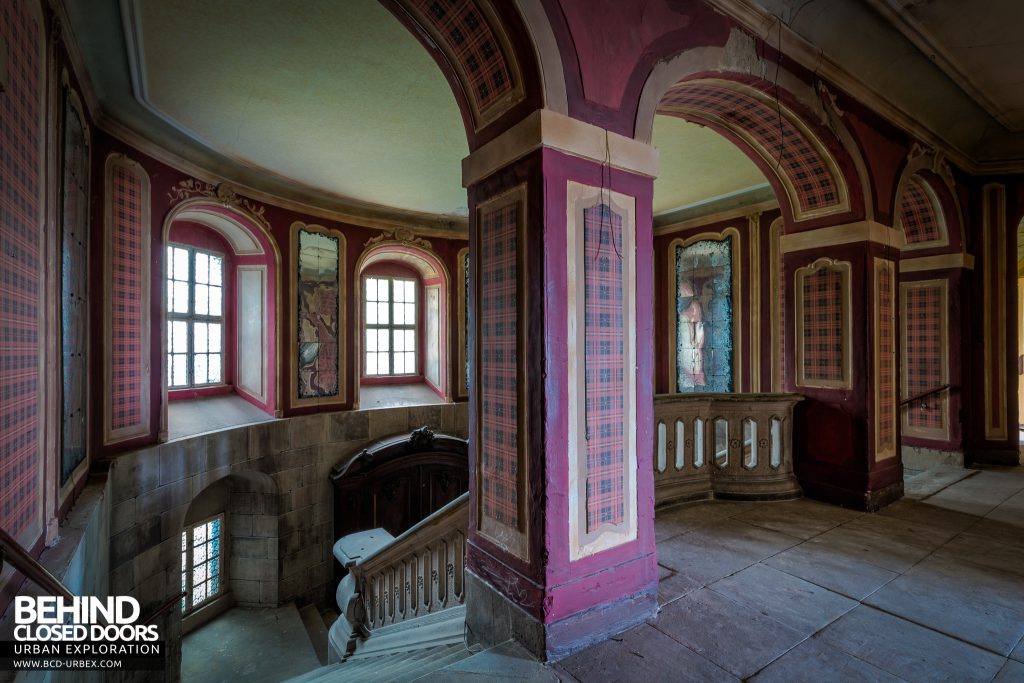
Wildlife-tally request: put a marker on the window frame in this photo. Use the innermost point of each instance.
(188, 607)
(415, 327)
(192, 317)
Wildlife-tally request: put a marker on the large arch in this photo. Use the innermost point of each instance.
(258, 259)
(417, 254)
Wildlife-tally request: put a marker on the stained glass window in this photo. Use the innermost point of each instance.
(704, 334)
(390, 305)
(195, 317)
(201, 567)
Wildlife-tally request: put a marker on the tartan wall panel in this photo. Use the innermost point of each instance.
(128, 197)
(922, 344)
(918, 214)
(704, 316)
(474, 46)
(21, 177)
(74, 289)
(822, 293)
(499, 364)
(787, 146)
(319, 294)
(885, 389)
(604, 364)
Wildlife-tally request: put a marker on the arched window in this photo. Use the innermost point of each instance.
(202, 569)
(391, 315)
(195, 317)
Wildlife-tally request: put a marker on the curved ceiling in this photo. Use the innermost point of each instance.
(338, 96)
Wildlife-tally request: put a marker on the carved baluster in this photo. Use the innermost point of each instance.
(449, 571)
(460, 566)
(435, 578)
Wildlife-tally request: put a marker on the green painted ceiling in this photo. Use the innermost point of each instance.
(340, 97)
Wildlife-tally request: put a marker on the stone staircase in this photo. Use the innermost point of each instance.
(392, 667)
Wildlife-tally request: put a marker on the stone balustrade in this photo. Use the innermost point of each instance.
(735, 446)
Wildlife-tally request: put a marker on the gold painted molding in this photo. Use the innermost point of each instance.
(850, 233)
(737, 303)
(546, 128)
(754, 230)
(778, 293)
(717, 217)
(940, 262)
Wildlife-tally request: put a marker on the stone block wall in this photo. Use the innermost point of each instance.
(151, 490)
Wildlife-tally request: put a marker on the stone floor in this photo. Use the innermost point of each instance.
(252, 645)
(396, 395)
(925, 590)
(201, 415)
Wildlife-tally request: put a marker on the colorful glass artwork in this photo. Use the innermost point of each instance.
(319, 289)
(704, 317)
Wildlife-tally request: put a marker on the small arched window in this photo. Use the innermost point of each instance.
(391, 315)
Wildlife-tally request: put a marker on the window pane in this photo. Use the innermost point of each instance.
(382, 314)
(179, 335)
(199, 535)
(199, 369)
(200, 337)
(216, 301)
(180, 263)
(410, 314)
(202, 300)
(179, 375)
(399, 314)
(371, 314)
(214, 337)
(180, 297)
(410, 291)
(410, 362)
(371, 340)
(371, 289)
(383, 340)
(214, 367)
(399, 341)
(397, 291)
(410, 339)
(202, 267)
(216, 271)
(214, 585)
(371, 363)
(199, 556)
(198, 594)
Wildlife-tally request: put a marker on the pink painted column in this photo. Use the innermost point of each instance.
(561, 549)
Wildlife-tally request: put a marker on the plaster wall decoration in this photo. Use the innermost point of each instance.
(601, 268)
(127, 317)
(885, 359)
(472, 37)
(925, 356)
(399, 236)
(74, 285)
(223, 193)
(805, 167)
(823, 325)
(318, 311)
(500, 367)
(21, 265)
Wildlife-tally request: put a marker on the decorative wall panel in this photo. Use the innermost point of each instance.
(318, 287)
(919, 214)
(813, 182)
(604, 378)
(253, 361)
(463, 323)
(21, 181)
(74, 287)
(885, 359)
(703, 315)
(600, 263)
(432, 365)
(823, 324)
(925, 357)
(127, 300)
(500, 369)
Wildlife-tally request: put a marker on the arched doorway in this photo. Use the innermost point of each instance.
(220, 294)
(402, 294)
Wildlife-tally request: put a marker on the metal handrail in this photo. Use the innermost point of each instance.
(925, 394)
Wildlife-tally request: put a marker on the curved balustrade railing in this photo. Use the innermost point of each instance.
(736, 446)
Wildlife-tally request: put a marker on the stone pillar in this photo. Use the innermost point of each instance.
(842, 353)
(560, 551)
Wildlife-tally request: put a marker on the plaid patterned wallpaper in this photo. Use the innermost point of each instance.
(885, 391)
(806, 168)
(474, 45)
(918, 214)
(823, 313)
(126, 275)
(499, 364)
(922, 346)
(605, 366)
(21, 176)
